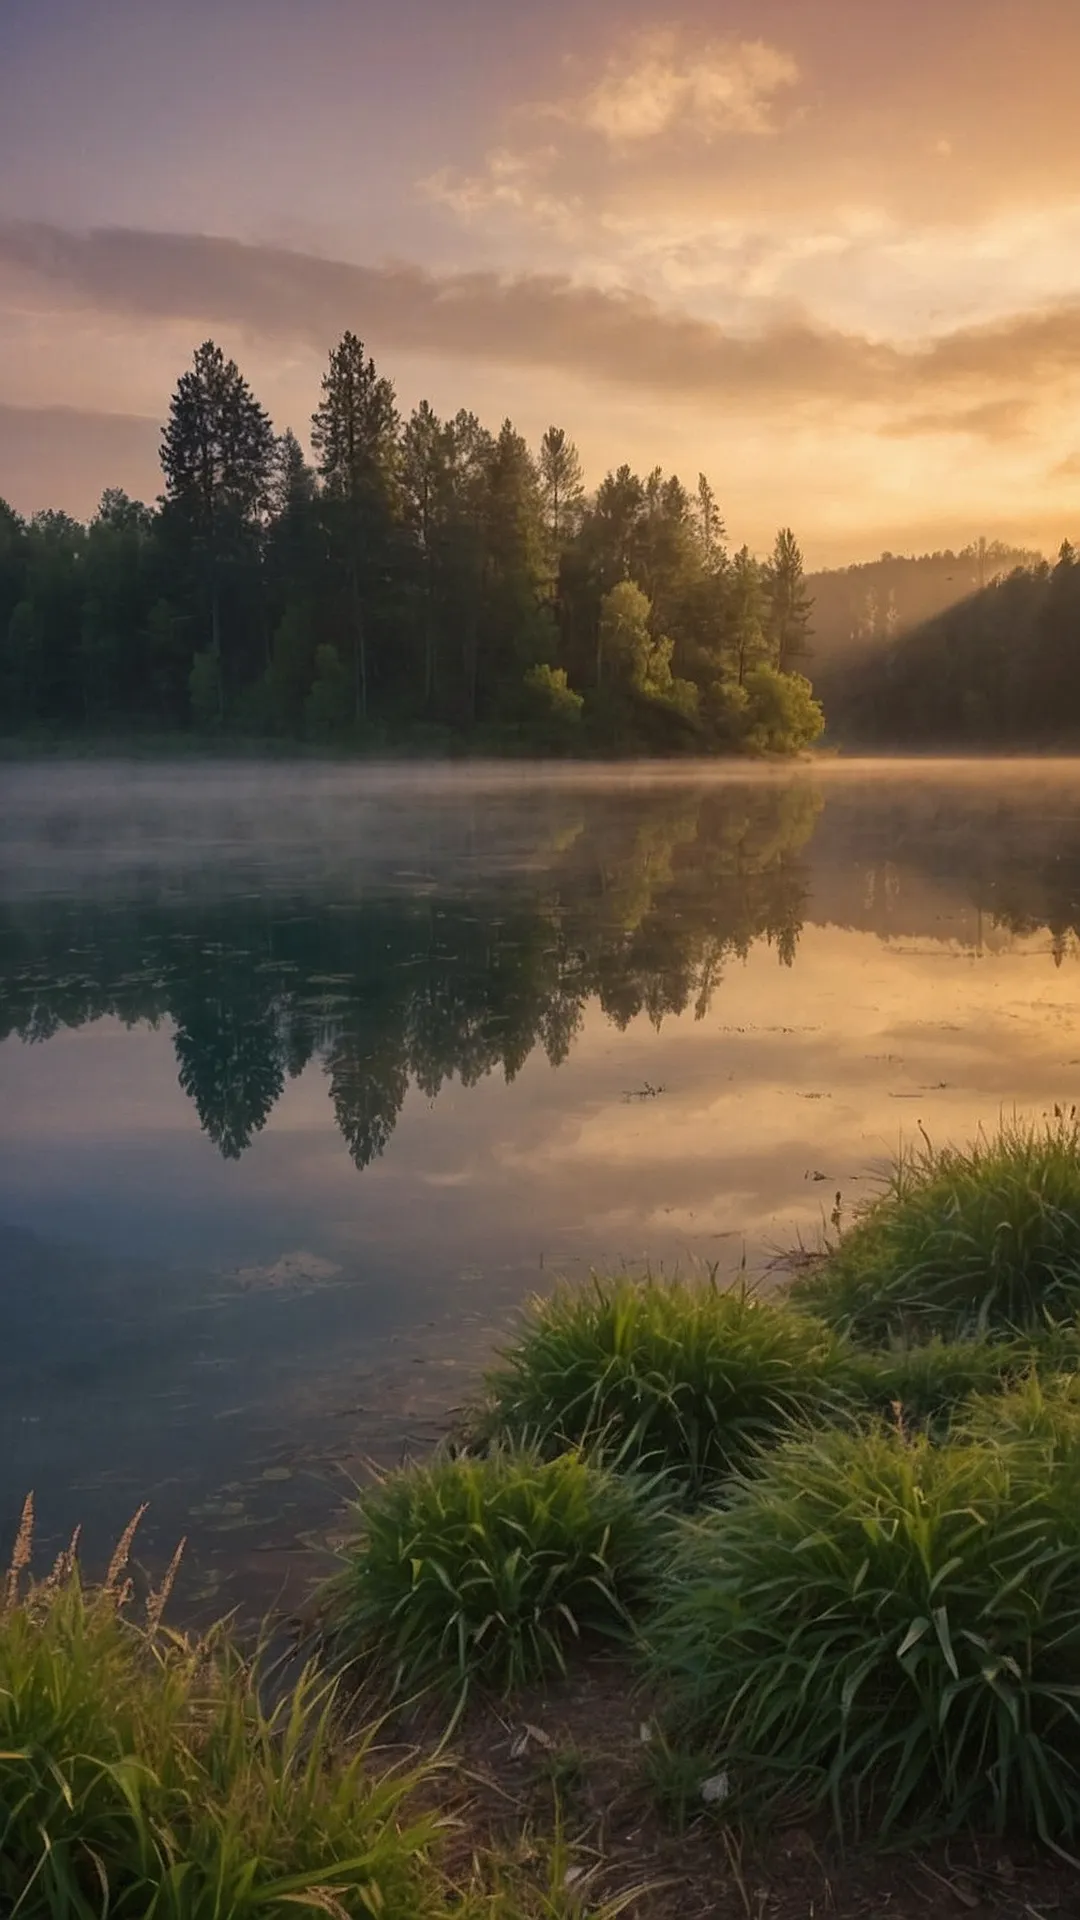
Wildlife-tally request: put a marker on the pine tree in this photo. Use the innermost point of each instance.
(516, 620)
(425, 470)
(710, 525)
(617, 516)
(668, 559)
(354, 435)
(788, 619)
(561, 486)
(470, 453)
(294, 485)
(354, 428)
(747, 614)
(217, 455)
(217, 448)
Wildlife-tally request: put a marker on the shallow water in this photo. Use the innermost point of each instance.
(308, 1076)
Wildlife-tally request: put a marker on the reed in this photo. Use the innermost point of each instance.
(141, 1773)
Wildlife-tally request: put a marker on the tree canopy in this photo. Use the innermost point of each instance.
(422, 581)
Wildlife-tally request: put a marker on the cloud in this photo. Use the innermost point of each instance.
(987, 420)
(663, 91)
(57, 456)
(662, 85)
(512, 182)
(976, 379)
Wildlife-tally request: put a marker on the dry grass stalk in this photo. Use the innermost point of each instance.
(20, 1555)
(159, 1597)
(64, 1565)
(121, 1556)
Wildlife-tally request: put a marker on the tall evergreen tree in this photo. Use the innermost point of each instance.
(294, 485)
(617, 516)
(710, 524)
(470, 452)
(788, 620)
(748, 612)
(217, 455)
(517, 629)
(354, 434)
(425, 470)
(562, 490)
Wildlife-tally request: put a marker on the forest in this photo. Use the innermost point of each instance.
(426, 584)
(997, 667)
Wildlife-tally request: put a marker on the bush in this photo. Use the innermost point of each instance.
(683, 1378)
(889, 1628)
(782, 715)
(550, 701)
(486, 1569)
(977, 1240)
(140, 1773)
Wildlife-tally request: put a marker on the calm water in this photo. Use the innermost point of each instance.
(308, 1076)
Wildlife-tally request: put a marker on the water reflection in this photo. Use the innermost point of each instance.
(307, 1077)
(636, 906)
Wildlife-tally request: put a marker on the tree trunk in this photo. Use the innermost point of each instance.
(215, 638)
(359, 647)
(471, 669)
(429, 646)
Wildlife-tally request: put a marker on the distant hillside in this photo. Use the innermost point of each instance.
(858, 607)
(996, 668)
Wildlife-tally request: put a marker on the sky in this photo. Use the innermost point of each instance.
(826, 252)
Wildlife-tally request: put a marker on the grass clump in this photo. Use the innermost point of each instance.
(684, 1378)
(486, 1569)
(1043, 1409)
(888, 1628)
(926, 1385)
(141, 1774)
(979, 1240)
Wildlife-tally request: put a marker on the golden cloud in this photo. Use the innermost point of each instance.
(662, 89)
(661, 84)
(975, 379)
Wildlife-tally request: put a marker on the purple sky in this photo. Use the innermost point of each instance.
(827, 251)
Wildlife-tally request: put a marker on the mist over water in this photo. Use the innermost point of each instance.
(309, 1074)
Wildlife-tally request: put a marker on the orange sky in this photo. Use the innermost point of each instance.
(826, 250)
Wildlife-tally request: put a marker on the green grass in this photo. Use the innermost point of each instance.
(677, 1377)
(488, 1569)
(142, 1777)
(927, 1385)
(963, 1241)
(890, 1629)
(1043, 1409)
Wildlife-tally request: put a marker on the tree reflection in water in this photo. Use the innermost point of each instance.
(636, 906)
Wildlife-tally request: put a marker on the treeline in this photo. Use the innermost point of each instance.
(425, 580)
(856, 608)
(1000, 667)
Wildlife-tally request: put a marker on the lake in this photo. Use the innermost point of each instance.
(310, 1074)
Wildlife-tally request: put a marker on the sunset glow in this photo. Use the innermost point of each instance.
(825, 252)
